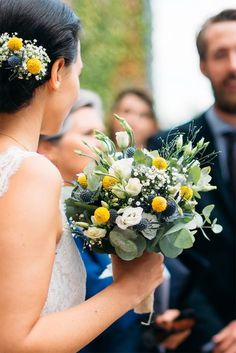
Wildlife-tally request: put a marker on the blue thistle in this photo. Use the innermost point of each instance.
(113, 215)
(143, 224)
(86, 195)
(130, 152)
(14, 61)
(170, 210)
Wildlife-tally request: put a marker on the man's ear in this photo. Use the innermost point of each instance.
(203, 68)
(47, 149)
(56, 74)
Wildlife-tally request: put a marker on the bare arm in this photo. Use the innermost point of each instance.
(30, 225)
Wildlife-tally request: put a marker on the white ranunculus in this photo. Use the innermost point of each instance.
(122, 168)
(130, 217)
(122, 139)
(133, 187)
(95, 233)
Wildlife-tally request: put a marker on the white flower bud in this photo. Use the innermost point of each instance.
(122, 139)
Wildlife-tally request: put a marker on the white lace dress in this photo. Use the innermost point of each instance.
(67, 286)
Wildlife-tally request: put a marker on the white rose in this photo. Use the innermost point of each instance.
(122, 139)
(94, 232)
(133, 187)
(122, 168)
(130, 217)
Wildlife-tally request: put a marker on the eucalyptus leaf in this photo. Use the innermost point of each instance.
(178, 226)
(124, 243)
(207, 212)
(168, 249)
(216, 228)
(183, 239)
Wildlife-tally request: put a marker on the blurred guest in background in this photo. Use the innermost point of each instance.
(136, 106)
(214, 294)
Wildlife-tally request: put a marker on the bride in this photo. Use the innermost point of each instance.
(41, 275)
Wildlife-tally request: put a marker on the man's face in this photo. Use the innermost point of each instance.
(219, 64)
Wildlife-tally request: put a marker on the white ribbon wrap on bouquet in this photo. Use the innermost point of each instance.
(146, 305)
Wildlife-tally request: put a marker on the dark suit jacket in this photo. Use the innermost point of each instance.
(213, 263)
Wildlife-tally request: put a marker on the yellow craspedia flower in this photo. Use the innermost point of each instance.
(186, 192)
(101, 215)
(15, 43)
(82, 180)
(34, 66)
(160, 163)
(108, 181)
(159, 204)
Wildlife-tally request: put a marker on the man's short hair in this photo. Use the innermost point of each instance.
(223, 16)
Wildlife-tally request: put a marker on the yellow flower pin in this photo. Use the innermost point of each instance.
(101, 215)
(159, 204)
(15, 43)
(34, 66)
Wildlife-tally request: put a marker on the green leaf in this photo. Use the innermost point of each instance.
(93, 182)
(207, 212)
(141, 158)
(216, 228)
(178, 226)
(196, 194)
(100, 168)
(194, 174)
(168, 249)
(123, 242)
(183, 239)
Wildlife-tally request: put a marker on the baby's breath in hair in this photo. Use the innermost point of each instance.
(24, 58)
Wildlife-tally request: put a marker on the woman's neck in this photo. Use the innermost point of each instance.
(22, 128)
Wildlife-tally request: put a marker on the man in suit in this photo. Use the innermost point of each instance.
(213, 263)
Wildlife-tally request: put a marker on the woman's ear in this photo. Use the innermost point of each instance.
(56, 74)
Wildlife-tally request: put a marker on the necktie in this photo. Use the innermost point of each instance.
(230, 138)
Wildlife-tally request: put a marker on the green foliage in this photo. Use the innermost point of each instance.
(128, 244)
(114, 46)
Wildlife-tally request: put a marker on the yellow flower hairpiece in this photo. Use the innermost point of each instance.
(24, 58)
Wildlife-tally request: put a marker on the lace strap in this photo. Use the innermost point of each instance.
(10, 162)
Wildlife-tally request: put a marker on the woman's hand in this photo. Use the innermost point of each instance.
(140, 276)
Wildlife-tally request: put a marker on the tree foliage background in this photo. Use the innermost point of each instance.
(115, 45)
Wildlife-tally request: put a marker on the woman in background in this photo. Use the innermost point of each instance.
(136, 106)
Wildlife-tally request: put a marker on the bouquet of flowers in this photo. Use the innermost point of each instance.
(132, 200)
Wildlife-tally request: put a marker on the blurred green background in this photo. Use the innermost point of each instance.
(116, 43)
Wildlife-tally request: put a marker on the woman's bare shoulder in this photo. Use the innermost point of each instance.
(41, 170)
(36, 182)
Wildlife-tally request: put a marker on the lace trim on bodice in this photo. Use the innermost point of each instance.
(10, 162)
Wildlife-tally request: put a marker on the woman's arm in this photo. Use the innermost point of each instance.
(30, 225)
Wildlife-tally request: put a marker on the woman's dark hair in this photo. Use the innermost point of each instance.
(54, 25)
